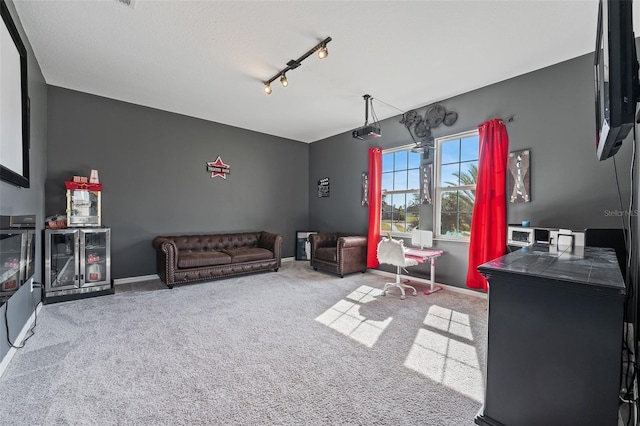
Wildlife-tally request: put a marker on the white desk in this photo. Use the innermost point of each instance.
(423, 255)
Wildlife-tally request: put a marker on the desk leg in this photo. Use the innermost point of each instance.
(433, 288)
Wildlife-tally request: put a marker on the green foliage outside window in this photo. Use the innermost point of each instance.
(401, 191)
(458, 174)
(457, 205)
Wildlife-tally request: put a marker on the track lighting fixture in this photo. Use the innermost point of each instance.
(321, 48)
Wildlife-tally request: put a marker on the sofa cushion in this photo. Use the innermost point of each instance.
(249, 254)
(329, 254)
(195, 259)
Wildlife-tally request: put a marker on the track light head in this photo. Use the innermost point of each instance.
(323, 52)
(267, 88)
(284, 81)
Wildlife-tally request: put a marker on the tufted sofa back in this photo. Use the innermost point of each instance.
(216, 241)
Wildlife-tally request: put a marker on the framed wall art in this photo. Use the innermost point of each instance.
(519, 186)
(323, 187)
(365, 189)
(426, 171)
(303, 245)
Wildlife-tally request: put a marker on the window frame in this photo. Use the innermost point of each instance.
(438, 190)
(407, 147)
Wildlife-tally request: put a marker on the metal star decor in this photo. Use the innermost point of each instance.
(218, 168)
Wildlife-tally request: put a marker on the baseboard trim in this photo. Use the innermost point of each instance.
(139, 278)
(19, 340)
(444, 286)
(288, 259)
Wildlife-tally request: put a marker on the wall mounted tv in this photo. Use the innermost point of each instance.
(14, 104)
(616, 76)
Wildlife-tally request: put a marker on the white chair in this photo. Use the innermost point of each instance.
(391, 252)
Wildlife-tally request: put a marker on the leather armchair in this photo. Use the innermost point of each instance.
(338, 252)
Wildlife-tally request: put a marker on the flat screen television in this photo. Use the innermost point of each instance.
(14, 104)
(616, 76)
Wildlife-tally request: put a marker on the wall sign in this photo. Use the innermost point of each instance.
(365, 189)
(425, 187)
(519, 162)
(218, 168)
(323, 187)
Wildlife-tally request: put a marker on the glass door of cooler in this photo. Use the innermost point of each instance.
(11, 251)
(62, 266)
(94, 257)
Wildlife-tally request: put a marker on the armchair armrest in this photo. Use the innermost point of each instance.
(352, 241)
(322, 240)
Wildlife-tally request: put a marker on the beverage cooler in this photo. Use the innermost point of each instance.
(77, 263)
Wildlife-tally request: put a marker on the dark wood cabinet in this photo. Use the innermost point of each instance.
(554, 341)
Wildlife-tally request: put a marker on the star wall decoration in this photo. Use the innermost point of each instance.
(218, 168)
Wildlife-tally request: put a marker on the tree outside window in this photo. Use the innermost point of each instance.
(400, 191)
(456, 184)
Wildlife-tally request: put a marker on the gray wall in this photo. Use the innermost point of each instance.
(19, 201)
(152, 165)
(554, 118)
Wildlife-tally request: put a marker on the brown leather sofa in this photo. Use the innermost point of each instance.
(187, 258)
(338, 252)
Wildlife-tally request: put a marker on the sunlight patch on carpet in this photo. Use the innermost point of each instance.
(449, 321)
(345, 318)
(443, 354)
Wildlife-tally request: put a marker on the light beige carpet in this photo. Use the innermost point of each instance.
(295, 347)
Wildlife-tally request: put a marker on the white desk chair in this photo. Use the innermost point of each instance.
(391, 252)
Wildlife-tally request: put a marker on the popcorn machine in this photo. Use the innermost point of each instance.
(84, 204)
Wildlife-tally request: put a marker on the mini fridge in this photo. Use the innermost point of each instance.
(77, 263)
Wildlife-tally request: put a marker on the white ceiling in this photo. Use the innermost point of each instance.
(207, 59)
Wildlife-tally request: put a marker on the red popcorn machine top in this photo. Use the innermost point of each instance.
(84, 204)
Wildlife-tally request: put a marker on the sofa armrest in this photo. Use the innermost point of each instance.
(166, 258)
(352, 241)
(273, 242)
(165, 245)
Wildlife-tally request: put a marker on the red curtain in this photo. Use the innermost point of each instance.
(489, 220)
(375, 205)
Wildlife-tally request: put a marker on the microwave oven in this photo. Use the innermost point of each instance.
(525, 236)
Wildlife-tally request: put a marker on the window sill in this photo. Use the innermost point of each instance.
(442, 238)
(395, 234)
(452, 239)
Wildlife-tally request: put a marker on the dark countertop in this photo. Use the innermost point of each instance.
(591, 266)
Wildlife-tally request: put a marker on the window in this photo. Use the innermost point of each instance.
(400, 190)
(457, 171)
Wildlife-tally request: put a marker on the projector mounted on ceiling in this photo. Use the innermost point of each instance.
(368, 131)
